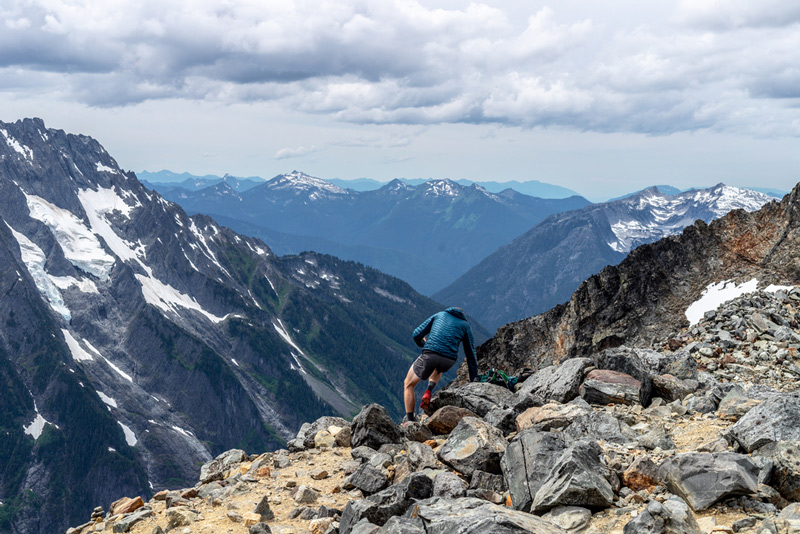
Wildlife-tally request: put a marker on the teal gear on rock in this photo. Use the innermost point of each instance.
(445, 331)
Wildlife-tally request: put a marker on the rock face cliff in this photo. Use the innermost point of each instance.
(137, 342)
(648, 293)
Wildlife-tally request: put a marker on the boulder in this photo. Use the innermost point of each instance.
(127, 522)
(323, 423)
(473, 445)
(216, 468)
(672, 517)
(373, 427)
(526, 464)
(448, 485)
(393, 501)
(703, 479)
(420, 456)
(735, 405)
(478, 397)
(775, 419)
(259, 528)
(573, 519)
(476, 516)
(657, 438)
(552, 416)
(367, 478)
(671, 388)
(601, 426)
(504, 419)
(557, 383)
(607, 387)
(401, 525)
(416, 431)
(125, 505)
(579, 478)
(642, 474)
(785, 474)
(446, 418)
(487, 481)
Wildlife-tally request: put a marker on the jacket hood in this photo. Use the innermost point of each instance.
(456, 312)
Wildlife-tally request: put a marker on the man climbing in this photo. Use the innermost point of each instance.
(439, 336)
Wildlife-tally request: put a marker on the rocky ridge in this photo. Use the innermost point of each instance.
(645, 297)
(695, 434)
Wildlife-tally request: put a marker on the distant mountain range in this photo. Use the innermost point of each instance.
(427, 234)
(165, 180)
(137, 343)
(542, 267)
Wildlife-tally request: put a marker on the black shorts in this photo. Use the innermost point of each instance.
(430, 361)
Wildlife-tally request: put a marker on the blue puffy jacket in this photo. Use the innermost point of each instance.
(445, 330)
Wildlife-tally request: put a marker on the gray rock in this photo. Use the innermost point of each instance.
(401, 525)
(263, 509)
(129, 520)
(364, 527)
(785, 473)
(527, 462)
(305, 495)
(552, 416)
(320, 424)
(367, 478)
(449, 486)
(559, 383)
(373, 427)
(476, 516)
(488, 481)
(215, 469)
(393, 501)
(703, 479)
(479, 397)
(504, 419)
(259, 528)
(473, 445)
(672, 517)
(671, 388)
(657, 438)
(775, 419)
(573, 519)
(602, 426)
(416, 431)
(419, 456)
(607, 386)
(701, 404)
(579, 478)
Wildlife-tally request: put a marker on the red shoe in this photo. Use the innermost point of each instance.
(425, 403)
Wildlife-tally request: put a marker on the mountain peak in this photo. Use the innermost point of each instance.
(301, 181)
(442, 188)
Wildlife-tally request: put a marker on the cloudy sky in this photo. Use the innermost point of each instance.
(601, 97)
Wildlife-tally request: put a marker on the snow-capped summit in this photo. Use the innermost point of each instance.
(300, 182)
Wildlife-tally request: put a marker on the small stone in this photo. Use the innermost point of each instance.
(259, 528)
(319, 474)
(251, 518)
(236, 517)
(263, 509)
(305, 495)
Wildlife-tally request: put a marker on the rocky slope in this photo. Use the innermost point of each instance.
(696, 436)
(648, 293)
(426, 234)
(137, 342)
(543, 267)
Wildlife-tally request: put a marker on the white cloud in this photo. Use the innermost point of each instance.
(286, 153)
(725, 66)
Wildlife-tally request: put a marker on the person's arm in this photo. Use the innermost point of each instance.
(469, 351)
(422, 330)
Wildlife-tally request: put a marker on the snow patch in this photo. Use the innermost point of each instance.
(235, 362)
(390, 296)
(106, 399)
(182, 431)
(167, 298)
(717, 294)
(66, 282)
(81, 247)
(34, 259)
(772, 288)
(26, 152)
(78, 354)
(119, 371)
(130, 437)
(105, 168)
(36, 427)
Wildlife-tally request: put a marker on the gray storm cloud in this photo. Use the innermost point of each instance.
(721, 66)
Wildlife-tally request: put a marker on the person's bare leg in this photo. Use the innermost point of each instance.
(435, 376)
(408, 390)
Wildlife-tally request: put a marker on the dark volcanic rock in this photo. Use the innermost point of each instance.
(473, 445)
(373, 427)
(527, 462)
(785, 474)
(600, 426)
(672, 517)
(478, 397)
(476, 516)
(558, 383)
(776, 419)
(606, 387)
(703, 479)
